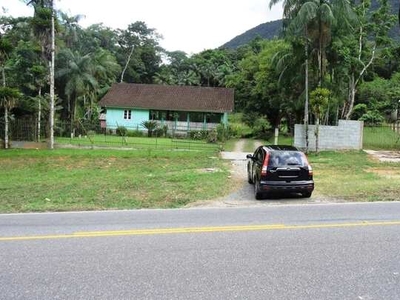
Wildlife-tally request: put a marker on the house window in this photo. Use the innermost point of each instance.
(197, 117)
(127, 114)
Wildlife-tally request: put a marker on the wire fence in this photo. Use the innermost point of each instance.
(382, 137)
(85, 134)
(88, 135)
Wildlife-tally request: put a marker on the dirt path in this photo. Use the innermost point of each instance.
(241, 192)
(239, 145)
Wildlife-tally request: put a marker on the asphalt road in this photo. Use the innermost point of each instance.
(314, 251)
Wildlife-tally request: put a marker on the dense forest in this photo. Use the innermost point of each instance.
(335, 60)
(274, 29)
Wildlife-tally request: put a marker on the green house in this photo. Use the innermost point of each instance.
(181, 108)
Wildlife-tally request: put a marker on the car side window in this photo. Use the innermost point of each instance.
(259, 155)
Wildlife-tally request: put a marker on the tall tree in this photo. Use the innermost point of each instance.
(31, 73)
(7, 94)
(318, 18)
(8, 98)
(77, 72)
(139, 53)
(319, 99)
(370, 35)
(291, 10)
(71, 32)
(43, 24)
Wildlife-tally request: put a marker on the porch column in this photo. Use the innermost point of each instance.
(204, 121)
(188, 122)
(224, 118)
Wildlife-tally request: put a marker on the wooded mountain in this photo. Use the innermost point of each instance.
(273, 29)
(267, 31)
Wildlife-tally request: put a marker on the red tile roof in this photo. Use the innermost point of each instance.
(166, 97)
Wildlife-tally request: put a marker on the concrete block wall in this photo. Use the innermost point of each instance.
(348, 135)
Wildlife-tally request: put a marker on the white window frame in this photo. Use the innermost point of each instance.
(127, 114)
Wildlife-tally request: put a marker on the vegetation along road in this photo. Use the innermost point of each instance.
(329, 251)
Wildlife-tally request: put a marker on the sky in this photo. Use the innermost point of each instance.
(187, 25)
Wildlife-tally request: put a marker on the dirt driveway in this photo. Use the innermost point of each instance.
(243, 193)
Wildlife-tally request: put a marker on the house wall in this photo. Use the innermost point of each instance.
(115, 118)
(347, 135)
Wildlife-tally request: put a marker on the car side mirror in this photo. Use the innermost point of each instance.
(250, 156)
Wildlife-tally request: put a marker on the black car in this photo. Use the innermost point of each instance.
(279, 169)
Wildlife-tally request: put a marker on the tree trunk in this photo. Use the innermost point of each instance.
(51, 121)
(5, 127)
(320, 56)
(351, 99)
(126, 65)
(316, 134)
(306, 92)
(39, 113)
(5, 112)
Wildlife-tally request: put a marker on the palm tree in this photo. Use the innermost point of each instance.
(78, 73)
(8, 95)
(291, 9)
(105, 70)
(43, 24)
(317, 18)
(71, 29)
(8, 98)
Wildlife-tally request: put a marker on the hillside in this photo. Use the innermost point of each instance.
(273, 29)
(267, 31)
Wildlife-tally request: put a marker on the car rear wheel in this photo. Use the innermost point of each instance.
(306, 194)
(249, 177)
(257, 194)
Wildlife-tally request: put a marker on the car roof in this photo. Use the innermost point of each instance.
(281, 147)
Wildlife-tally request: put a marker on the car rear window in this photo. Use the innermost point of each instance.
(286, 158)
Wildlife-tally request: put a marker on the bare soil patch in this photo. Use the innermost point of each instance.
(385, 156)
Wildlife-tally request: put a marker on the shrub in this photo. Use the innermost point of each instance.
(159, 132)
(135, 133)
(249, 118)
(262, 128)
(359, 110)
(212, 136)
(223, 132)
(165, 130)
(122, 130)
(150, 126)
(372, 118)
(198, 135)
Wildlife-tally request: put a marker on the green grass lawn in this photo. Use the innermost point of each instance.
(354, 176)
(101, 140)
(381, 137)
(66, 179)
(81, 179)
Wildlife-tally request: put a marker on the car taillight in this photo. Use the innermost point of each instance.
(310, 171)
(264, 168)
